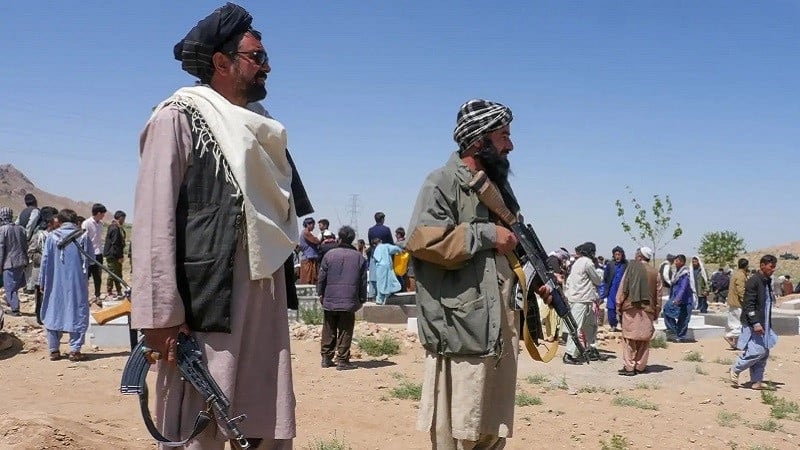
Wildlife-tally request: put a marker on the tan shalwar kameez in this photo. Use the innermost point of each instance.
(457, 391)
(252, 364)
(638, 318)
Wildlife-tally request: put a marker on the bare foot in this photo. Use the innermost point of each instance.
(757, 386)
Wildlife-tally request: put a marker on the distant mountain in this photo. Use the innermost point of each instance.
(14, 185)
(789, 247)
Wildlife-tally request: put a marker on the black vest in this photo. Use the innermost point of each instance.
(209, 224)
(25, 216)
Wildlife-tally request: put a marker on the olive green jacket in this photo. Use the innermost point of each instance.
(452, 244)
(736, 291)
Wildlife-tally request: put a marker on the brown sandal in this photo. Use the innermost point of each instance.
(55, 356)
(76, 356)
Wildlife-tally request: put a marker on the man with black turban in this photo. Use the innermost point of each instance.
(581, 292)
(215, 222)
(612, 276)
(465, 289)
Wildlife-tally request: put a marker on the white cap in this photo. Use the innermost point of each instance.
(647, 252)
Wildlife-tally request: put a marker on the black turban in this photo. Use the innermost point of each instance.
(477, 118)
(586, 249)
(46, 214)
(208, 36)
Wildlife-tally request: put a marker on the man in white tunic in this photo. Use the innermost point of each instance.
(215, 222)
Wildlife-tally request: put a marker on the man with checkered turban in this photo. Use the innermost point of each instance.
(465, 289)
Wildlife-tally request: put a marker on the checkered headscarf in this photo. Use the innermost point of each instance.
(208, 36)
(6, 215)
(476, 118)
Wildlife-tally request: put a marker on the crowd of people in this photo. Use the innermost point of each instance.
(636, 294)
(39, 261)
(378, 270)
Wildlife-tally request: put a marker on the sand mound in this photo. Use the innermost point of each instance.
(36, 431)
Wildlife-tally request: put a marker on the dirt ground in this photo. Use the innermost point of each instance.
(62, 404)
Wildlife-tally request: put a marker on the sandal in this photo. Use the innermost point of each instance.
(76, 356)
(55, 356)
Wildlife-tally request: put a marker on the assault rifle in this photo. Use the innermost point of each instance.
(529, 251)
(190, 363)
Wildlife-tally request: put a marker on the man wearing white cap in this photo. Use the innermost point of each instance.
(638, 304)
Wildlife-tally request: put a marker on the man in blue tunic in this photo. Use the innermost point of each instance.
(62, 277)
(757, 335)
(611, 279)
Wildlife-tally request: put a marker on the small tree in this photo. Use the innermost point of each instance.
(652, 224)
(721, 247)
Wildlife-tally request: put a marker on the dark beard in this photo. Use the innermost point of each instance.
(255, 91)
(497, 168)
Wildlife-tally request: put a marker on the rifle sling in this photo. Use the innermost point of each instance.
(532, 316)
(202, 421)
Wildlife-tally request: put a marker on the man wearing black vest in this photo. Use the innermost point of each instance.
(215, 220)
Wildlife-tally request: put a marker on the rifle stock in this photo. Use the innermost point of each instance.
(532, 253)
(106, 315)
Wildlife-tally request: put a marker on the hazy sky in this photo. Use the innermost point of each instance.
(698, 100)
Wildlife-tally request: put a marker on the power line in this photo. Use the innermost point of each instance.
(353, 209)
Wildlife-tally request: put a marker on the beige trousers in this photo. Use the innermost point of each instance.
(635, 354)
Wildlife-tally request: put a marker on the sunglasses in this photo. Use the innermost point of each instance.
(257, 56)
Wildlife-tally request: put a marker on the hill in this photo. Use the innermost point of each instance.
(14, 185)
(785, 266)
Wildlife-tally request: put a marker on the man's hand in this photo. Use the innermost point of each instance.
(544, 292)
(758, 329)
(164, 340)
(505, 241)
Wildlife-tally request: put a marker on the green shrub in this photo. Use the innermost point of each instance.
(618, 442)
(659, 342)
(311, 316)
(768, 397)
(768, 425)
(334, 443)
(537, 379)
(623, 400)
(386, 345)
(728, 419)
(693, 356)
(784, 409)
(525, 399)
(407, 391)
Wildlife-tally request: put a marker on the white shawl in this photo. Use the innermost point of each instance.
(691, 276)
(254, 151)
